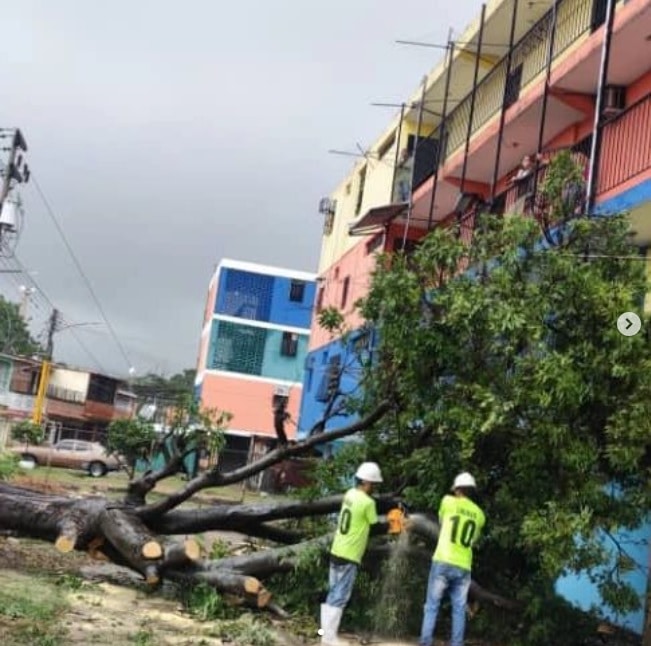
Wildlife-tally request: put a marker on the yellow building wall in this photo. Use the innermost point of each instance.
(378, 189)
(572, 30)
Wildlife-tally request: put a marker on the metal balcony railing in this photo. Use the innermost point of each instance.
(574, 19)
(626, 146)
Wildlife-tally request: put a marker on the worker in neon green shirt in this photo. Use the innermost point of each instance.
(358, 513)
(461, 522)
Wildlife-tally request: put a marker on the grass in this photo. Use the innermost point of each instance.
(114, 485)
(30, 609)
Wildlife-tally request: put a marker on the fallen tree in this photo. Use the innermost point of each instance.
(144, 537)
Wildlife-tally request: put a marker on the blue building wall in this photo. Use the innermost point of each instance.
(317, 365)
(244, 294)
(262, 297)
(291, 313)
(626, 200)
(581, 592)
(277, 366)
(256, 351)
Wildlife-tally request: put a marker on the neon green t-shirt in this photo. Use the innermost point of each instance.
(358, 513)
(461, 524)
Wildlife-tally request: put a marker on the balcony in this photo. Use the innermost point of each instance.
(519, 87)
(626, 147)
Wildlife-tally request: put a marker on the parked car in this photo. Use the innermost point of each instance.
(69, 454)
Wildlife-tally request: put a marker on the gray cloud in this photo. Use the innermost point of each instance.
(168, 136)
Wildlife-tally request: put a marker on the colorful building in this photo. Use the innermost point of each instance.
(78, 404)
(524, 79)
(253, 346)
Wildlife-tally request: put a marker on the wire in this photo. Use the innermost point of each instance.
(53, 217)
(41, 293)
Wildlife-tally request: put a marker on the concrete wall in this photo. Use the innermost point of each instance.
(249, 400)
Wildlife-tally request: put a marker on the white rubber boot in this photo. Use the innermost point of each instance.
(330, 619)
(335, 620)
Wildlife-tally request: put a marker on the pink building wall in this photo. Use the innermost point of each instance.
(352, 269)
(249, 402)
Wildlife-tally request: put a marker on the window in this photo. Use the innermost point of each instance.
(360, 192)
(512, 89)
(599, 10)
(344, 291)
(330, 380)
(319, 299)
(386, 145)
(66, 445)
(296, 291)
(289, 344)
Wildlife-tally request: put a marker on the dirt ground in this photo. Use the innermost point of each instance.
(57, 600)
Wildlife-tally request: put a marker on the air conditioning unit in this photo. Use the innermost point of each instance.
(327, 206)
(614, 100)
(281, 391)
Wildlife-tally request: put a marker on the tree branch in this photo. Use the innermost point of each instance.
(239, 517)
(214, 478)
(138, 489)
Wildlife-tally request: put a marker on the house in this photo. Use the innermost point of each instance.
(78, 404)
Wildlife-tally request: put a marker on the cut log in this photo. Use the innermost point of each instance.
(180, 554)
(67, 538)
(152, 550)
(225, 581)
(131, 538)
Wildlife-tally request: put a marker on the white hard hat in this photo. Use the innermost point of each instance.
(369, 472)
(464, 480)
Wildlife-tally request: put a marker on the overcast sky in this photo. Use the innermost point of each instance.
(169, 135)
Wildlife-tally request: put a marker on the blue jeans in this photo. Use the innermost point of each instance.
(340, 583)
(441, 578)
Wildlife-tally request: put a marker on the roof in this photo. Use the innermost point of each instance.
(227, 263)
(377, 217)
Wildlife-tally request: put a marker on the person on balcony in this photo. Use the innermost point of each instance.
(524, 178)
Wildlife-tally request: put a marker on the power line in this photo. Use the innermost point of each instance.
(54, 219)
(41, 293)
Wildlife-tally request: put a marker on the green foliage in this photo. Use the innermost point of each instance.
(219, 549)
(164, 389)
(28, 432)
(303, 588)
(144, 637)
(69, 581)
(189, 427)
(8, 465)
(189, 423)
(130, 438)
(518, 374)
(331, 320)
(15, 337)
(246, 630)
(205, 603)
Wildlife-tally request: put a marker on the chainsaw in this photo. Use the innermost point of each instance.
(396, 518)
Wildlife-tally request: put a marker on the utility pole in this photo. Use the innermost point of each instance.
(51, 329)
(46, 366)
(15, 169)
